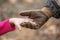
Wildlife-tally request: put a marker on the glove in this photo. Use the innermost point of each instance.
(17, 21)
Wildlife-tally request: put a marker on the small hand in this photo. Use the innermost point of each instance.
(17, 22)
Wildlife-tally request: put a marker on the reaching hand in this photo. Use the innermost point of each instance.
(17, 21)
(38, 17)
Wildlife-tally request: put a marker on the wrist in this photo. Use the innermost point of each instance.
(47, 11)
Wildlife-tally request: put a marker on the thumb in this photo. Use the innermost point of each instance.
(25, 13)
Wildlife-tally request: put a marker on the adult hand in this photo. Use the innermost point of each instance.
(38, 16)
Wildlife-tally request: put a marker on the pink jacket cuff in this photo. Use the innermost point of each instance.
(5, 27)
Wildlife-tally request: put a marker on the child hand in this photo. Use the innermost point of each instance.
(17, 21)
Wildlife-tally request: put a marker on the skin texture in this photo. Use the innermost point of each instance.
(18, 21)
(39, 16)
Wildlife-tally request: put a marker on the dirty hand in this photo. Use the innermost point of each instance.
(36, 15)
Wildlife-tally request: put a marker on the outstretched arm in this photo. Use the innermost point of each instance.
(5, 27)
(13, 23)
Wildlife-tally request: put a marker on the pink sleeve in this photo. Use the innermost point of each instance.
(5, 27)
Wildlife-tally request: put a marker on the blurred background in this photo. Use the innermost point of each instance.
(12, 8)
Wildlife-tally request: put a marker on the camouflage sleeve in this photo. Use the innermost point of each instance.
(54, 6)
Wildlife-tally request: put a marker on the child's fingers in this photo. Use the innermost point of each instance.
(18, 26)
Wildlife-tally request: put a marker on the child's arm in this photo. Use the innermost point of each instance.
(5, 27)
(13, 23)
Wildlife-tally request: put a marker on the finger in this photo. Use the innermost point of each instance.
(29, 25)
(18, 27)
(25, 13)
(28, 12)
(31, 14)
